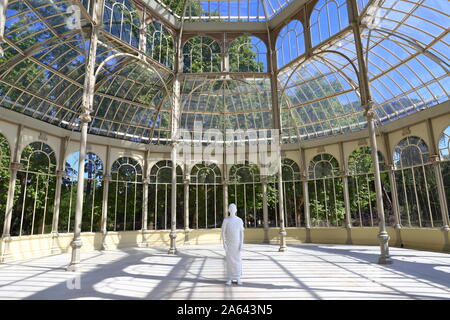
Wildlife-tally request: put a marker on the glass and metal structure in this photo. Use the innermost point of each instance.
(96, 96)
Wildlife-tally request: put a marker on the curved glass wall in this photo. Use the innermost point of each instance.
(155, 75)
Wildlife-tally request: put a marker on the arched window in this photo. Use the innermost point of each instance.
(417, 191)
(290, 43)
(36, 180)
(248, 54)
(444, 151)
(362, 194)
(328, 18)
(245, 191)
(325, 191)
(292, 192)
(4, 178)
(160, 195)
(125, 196)
(93, 193)
(121, 20)
(160, 44)
(410, 151)
(201, 54)
(205, 196)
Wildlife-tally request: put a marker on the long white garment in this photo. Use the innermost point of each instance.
(232, 228)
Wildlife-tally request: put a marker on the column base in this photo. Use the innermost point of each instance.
(104, 246)
(446, 247)
(266, 236)
(74, 264)
(73, 267)
(4, 249)
(144, 242)
(349, 240)
(186, 237)
(308, 234)
(283, 246)
(55, 249)
(384, 258)
(173, 237)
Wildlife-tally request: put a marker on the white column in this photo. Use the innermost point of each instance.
(367, 104)
(76, 242)
(383, 236)
(265, 205)
(348, 219)
(304, 169)
(393, 184)
(186, 209)
(281, 207)
(59, 176)
(106, 180)
(173, 229)
(86, 109)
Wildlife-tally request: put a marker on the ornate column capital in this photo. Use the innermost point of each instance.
(369, 114)
(15, 166)
(107, 177)
(264, 179)
(60, 173)
(225, 182)
(146, 181)
(186, 181)
(85, 117)
(434, 158)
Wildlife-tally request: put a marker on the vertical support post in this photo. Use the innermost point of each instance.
(225, 197)
(265, 209)
(383, 236)
(307, 33)
(277, 135)
(304, 170)
(225, 180)
(393, 183)
(348, 220)
(60, 173)
(348, 223)
(173, 230)
(186, 207)
(282, 232)
(438, 176)
(225, 55)
(76, 242)
(367, 104)
(265, 206)
(14, 167)
(145, 183)
(85, 118)
(106, 180)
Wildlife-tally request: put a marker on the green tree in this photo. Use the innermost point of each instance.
(243, 57)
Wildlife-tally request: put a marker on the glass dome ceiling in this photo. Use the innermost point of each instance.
(225, 10)
(315, 80)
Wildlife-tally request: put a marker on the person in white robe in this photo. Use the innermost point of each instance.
(233, 240)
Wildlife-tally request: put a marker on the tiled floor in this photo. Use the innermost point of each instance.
(307, 271)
